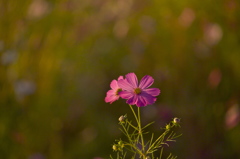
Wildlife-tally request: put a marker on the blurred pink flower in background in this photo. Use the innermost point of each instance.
(212, 34)
(232, 116)
(187, 17)
(214, 78)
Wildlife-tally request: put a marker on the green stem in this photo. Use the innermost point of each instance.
(140, 130)
(134, 113)
(126, 133)
(157, 140)
(138, 120)
(131, 144)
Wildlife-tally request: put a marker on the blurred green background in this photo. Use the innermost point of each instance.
(58, 57)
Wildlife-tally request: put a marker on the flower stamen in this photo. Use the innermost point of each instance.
(137, 91)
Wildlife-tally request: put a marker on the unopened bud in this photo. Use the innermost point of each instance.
(120, 142)
(176, 120)
(121, 145)
(168, 127)
(114, 147)
(122, 118)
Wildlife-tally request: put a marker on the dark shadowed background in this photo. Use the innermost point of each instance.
(58, 57)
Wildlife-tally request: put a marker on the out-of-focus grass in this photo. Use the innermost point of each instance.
(58, 58)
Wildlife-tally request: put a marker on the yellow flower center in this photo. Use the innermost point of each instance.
(119, 90)
(137, 91)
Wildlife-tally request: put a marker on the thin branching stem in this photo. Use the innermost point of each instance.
(134, 113)
(157, 141)
(135, 135)
(138, 120)
(140, 130)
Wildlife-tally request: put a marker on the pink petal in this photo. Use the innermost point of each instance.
(149, 100)
(114, 84)
(146, 82)
(120, 77)
(111, 99)
(152, 91)
(125, 94)
(111, 92)
(145, 99)
(141, 102)
(111, 96)
(132, 79)
(125, 85)
(133, 100)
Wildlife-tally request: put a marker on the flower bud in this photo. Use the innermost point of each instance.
(114, 147)
(120, 142)
(122, 118)
(176, 121)
(167, 127)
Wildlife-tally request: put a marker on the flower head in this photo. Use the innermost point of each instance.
(113, 94)
(138, 94)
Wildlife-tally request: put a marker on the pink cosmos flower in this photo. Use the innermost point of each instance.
(140, 94)
(113, 94)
